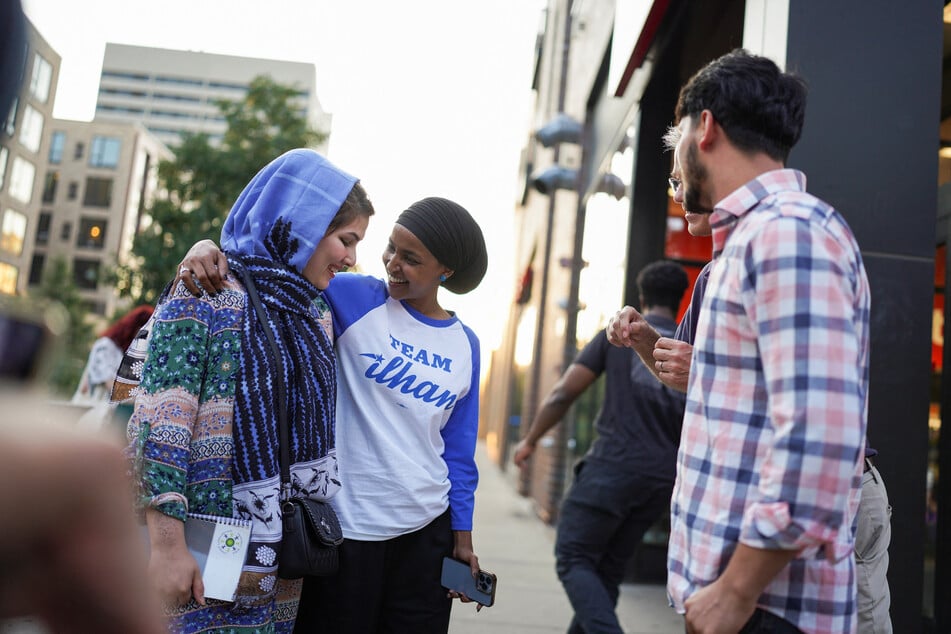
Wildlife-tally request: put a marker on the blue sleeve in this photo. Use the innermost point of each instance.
(459, 435)
(351, 296)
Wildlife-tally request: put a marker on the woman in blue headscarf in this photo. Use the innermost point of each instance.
(205, 429)
(408, 401)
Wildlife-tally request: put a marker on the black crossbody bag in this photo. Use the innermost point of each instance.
(311, 530)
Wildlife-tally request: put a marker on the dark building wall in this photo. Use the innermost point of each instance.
(869, 147)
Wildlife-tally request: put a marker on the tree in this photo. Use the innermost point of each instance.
(72, 349)
(203, 181)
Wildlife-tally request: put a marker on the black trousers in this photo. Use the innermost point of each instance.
(386, 587)
(763, 622)
(602, 520)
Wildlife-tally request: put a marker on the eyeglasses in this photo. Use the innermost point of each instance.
(675, 183)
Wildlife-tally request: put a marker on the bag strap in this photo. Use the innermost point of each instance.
(282, 428)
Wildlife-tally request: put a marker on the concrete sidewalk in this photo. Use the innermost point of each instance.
(516, 545)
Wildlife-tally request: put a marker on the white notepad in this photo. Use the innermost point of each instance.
(219, 545)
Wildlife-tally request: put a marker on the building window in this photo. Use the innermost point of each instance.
(98, 192)
(31, 129)
(173, 114)
(157, 130)
(8, 278)
(36, 269)
(49, 187)
(138, 94)
(72, 191)
(12, 232)
(41, 78)
(43, 224)
(104, 107)
(57, 144)
(65, 231)
(21, 179)
(217, 84)
(11, 124)
(104, 151)
(92, 234)
(86, 273)
(4, 155)
(158, 96)
(178, 81)
(79, 150)
(129, 76)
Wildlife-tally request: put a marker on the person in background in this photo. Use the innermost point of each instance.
(669, 359)
(71, 557)
(623, 484)
(95, 386)
(202, 441)
(409, 414)
(70, 554)
(768, 482)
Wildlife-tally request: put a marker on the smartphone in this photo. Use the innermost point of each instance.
(457, 576)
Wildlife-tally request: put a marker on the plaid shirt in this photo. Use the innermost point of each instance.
(773, 435)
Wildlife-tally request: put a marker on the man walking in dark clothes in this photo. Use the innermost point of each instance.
(624, 483)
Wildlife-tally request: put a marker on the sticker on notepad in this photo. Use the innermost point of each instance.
(229, 542)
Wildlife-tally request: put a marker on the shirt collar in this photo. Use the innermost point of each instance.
(731, 209)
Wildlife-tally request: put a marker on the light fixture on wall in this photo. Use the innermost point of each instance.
(566, 262)
(612, 184)
(561, 129)
(553, 178)
(564, 303)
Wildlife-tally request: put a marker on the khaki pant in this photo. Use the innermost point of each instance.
(871, 555)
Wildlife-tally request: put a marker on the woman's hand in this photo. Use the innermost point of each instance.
(204, 267)
(176, 577)
(462, 550)
(174, 573)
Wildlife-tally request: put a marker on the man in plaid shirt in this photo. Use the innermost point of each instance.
(771, 456)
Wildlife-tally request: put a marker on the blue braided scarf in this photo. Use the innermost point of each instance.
(307, 360)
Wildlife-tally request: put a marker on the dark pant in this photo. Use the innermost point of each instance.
(763, 622)
(386, 587)
(602, 519)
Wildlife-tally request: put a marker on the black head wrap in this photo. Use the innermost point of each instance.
(453, 237)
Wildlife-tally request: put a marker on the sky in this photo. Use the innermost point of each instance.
(428, 97)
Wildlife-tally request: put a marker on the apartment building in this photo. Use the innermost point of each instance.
(24, 138)
(99, 179)
(172, 92)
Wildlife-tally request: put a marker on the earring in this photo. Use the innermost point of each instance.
(442, 277)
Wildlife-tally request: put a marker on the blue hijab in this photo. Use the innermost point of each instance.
(269, 236)
(299, 185)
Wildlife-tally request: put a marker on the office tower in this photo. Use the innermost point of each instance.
(172, 92)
